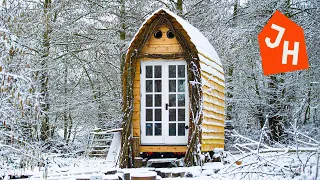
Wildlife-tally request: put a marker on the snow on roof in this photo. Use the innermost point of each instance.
(201, 43)
(197, 38)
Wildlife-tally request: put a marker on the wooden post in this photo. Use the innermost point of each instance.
(137, 162)
(136, 146)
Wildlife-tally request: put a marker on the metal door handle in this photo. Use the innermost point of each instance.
(167, 106)
(187, 127)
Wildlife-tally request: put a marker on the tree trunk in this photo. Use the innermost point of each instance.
(45, 127)
(65, 116)
(307, 111)
(69, 129)
(276, 120)
(179, 7)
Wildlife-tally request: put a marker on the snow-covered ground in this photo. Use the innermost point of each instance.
(271, 165)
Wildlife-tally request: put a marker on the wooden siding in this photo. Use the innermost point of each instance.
(163, 45)
(213, 96)
(213, 107)
(136, 102)
(163, 148)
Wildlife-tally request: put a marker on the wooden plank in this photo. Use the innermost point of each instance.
(136, 132)
(213, 78)
(163, 148)
(137, 76)
(162, 49)
(136, 115)
(175, 45)
(214, 116)
(136, 107)
(214, 93)
(210, 59)
(209, 129)
(151, 59)
(213, 141)
(210, 147)
(213, 86)
(214, 105)
(136, 91)
(166, 41)
(209, 112)
(137, 96)
(136, 101)
(215, 99)
(161, 41)
(213, 122)
(136, 125)
(211, 135)
(136, 86)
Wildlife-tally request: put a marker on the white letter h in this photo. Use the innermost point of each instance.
(286, 52)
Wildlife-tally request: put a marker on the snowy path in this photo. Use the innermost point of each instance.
(252, 166)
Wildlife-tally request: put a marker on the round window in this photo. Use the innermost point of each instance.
(170, 34)
(158, 34)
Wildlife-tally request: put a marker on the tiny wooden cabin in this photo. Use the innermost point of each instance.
(173, 88)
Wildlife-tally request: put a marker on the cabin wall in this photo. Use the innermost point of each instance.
(213, 104)
(163, 45)
(213, 96)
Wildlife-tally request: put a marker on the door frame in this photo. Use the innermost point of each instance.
(165, 139)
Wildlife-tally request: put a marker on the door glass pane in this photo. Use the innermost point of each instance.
(172, 85)
(181, 100)
(181, 71)
(157, 114)
(148, 71)
(172, 114)
(149, 127)
(181, 115)
(181, 129)
(157, 100)
(172, 129)
(149, 85)
(157, 86)
(157, 129)
(157, 71)
(149, 115)
(172, 100)
(172, 71)
(181, 85)
(149, 100)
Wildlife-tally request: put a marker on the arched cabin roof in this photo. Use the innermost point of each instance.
(192, 35)
(204, 66)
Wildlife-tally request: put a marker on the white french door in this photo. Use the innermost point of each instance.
(164, 103)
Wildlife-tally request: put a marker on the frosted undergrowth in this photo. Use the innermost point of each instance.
(272, 165)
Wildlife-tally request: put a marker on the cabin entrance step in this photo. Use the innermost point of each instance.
(162, 162)
(99, 142)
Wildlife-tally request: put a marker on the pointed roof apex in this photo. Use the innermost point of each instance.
(201, 43)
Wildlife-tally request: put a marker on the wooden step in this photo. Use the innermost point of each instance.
(100, 140)
(97, 150)
(99, 146)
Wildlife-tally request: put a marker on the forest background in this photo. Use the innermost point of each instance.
(60, 68)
